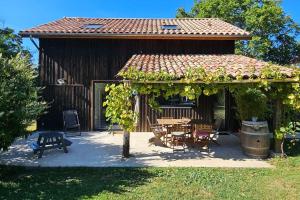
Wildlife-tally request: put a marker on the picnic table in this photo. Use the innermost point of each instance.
(50, 140)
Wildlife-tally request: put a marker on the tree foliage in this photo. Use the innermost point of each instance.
(11, 43)
(119, 106)
(251, 102)
(19, 100)
(274, 32)
(20, 103)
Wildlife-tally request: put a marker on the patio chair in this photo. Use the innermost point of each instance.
(167, 117)
(71, 121)
(188, 126)
(216, 130)
(178, 137)
(158, 130)
(151, 125)
(296, 128)
(201, 135)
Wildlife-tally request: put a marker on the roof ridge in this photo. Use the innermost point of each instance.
(158, 18)
(143, 27)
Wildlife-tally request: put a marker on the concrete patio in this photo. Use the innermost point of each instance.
(102, 149)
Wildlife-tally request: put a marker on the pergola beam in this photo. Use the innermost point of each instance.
(288, 80)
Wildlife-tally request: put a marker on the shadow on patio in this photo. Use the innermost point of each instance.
(101, 149)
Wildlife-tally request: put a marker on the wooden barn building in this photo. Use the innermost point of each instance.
(79, 56)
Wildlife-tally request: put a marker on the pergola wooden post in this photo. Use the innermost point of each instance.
(126, 144)
(277, 119)
(126, 137)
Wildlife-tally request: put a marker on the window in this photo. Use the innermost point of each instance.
(93, 26)
(176, 101)
(170, 27)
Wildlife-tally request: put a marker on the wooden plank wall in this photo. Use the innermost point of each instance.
(79, 61)
(231, 123)
(203, 112)
(62, 98)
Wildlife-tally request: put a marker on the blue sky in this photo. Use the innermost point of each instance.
(21, 14)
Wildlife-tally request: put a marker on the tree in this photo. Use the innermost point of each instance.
(11, 43)
(20, 103)
(19, 100)
(274, 33)
(119, 111)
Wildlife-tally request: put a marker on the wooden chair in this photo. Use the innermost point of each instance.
(178, 137)
(188, 126)
(71, 121)
(152, 125)
(167, 136)
(158, 130)
(296, 126)
(201, 134)
(216, 130)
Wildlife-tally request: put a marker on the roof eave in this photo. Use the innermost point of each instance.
(247, 81)
(136, 36)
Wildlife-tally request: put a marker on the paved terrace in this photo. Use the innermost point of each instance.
(102, 149)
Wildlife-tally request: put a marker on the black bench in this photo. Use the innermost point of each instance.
(50, 140)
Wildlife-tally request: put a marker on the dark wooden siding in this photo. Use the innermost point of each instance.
(232, 123)
(62, 98)
(79, 61)
(203, 112)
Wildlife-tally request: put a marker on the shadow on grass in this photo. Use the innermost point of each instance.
(68, 183)
(292, 147)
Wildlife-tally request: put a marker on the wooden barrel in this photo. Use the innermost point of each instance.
(255, 139)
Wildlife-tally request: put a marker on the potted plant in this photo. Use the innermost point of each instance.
(251, 104)
(252, 110)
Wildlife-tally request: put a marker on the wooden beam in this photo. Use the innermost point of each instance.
(288, 80)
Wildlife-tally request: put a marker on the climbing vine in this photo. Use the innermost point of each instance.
(195, 82)
(119, 106)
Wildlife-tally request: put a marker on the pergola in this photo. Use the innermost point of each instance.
(199, 70)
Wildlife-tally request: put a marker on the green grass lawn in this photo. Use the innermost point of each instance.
(282, 182)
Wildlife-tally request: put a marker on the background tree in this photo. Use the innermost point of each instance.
(20, 103)
(11, 43)
(274, 32)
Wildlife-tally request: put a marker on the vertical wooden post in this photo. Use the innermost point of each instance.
(126, 144)
(278, 113)
(126, 138)
(277, 123)
(137, 104)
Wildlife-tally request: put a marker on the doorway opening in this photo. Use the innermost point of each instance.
(99, 110)
(100, 121)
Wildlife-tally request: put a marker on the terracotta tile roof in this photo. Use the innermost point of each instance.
(187, 27)
(234, 65)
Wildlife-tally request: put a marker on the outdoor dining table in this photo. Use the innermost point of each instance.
(166, 122)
